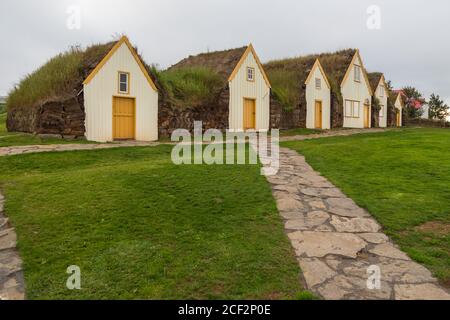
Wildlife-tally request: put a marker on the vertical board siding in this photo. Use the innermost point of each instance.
(383, 101)
(398, 106)
(99, 93)
(240, 88)
(356, 91)
(313, 94)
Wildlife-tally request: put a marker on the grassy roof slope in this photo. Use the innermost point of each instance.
(288, 75)
(60, 78)
(197, 80)
(221, 62)
(374, 79)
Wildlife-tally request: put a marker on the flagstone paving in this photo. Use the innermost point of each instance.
(339, 245)
(12, 286)
(15, 150)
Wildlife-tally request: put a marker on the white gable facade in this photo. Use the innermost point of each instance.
(249, 85)
(107, 103)
(382, 96)
(356, 96)
(398, 109)
(318, 97)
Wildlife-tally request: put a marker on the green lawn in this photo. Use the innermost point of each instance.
(403, 178)
(140, 227)
(8, 139)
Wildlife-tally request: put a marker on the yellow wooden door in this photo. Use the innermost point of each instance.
(366, 116)
(124, 118)
(318, 115)
(398, 119)
(249, 114)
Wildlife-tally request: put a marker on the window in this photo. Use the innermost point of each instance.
(357, 73)
(381, 91)
(351, 109)
(381, 111)
(348, 108)
(250, 74)
(318, 83)
(124, 79)
(355, 109)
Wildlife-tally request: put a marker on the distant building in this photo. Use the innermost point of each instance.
(2, 100)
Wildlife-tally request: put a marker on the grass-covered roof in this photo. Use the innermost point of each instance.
(374, 79)
(60, 78)
(197, 80)
(288, 76)
(221, 62)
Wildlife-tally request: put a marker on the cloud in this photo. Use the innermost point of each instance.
(410, 48)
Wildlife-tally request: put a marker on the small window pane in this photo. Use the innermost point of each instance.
(356, 109)
(348, 108)
(123, 77)
(318, 83)
(250, 74)
(123, 87)
(357, 73)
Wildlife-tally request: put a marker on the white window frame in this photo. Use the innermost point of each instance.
(357, 72)
(127, 83)
(381, 91)
(352, 109)
(318, 83)
(251, 74)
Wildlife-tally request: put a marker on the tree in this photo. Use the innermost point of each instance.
(414, 102)
(438, 109)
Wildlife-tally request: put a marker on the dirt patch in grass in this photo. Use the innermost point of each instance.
(439, 228)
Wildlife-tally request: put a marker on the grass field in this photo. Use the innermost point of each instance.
(140, 227)
(403, 178)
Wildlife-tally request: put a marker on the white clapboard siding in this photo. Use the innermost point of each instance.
(399, 106)
(383, 99)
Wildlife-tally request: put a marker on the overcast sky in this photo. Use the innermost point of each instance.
(412, 46)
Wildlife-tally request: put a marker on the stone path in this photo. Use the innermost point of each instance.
(10, 151)
(338, 244)
(12, 286)
(15, 150)
(332, 133)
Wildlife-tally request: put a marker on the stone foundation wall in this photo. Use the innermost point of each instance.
(337, 112)
(65, 118)
(213, 116)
